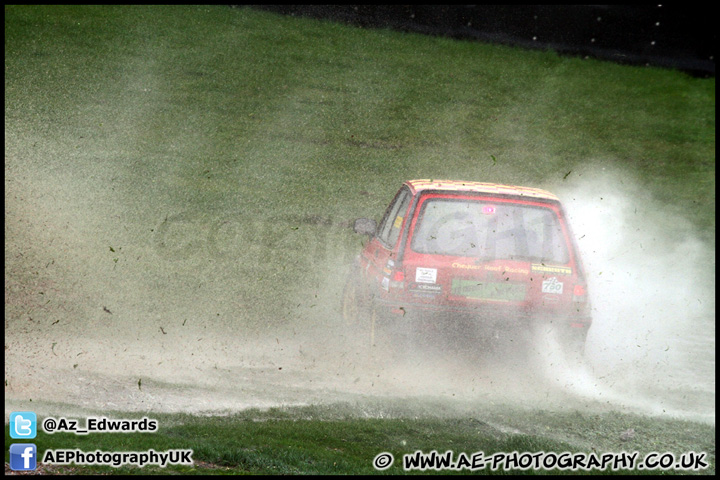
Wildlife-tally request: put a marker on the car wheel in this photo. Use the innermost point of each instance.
(357, 315)
(574, 344)
(571, 341)
(378, 334)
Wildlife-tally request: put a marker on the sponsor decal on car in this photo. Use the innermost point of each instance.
(550, 299)
(524, 271)
(551, 285)
(467, 266)
(560, 270)
(425, 289)
(491, 268)
(387, 269)
(426, 275)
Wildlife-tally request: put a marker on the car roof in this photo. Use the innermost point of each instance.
(417, 186)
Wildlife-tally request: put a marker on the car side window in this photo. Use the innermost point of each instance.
(392, 222)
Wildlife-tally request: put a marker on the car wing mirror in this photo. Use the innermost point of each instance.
(365, 226)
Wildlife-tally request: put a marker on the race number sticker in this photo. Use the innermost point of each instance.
(551, 285)
(426, 275)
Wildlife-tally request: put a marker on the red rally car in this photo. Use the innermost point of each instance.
(479, 259)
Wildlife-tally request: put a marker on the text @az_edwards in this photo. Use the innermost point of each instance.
(99, 424)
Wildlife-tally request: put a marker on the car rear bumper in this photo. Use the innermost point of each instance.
(483, 320)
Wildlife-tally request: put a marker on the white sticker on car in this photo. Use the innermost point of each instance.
(426, 275)
(551, 285)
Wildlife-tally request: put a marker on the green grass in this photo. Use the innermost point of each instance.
(221, 153)
(231, 90)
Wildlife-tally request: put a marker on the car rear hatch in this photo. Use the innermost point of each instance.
(470, 252)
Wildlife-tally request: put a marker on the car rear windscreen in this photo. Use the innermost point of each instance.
(489, 231)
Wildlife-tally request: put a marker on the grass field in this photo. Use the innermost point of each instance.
(178, 185)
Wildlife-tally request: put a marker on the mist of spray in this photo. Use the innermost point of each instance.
(651, 280)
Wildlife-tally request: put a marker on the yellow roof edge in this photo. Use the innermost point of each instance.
(478, 187)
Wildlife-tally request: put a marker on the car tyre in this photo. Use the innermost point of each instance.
(358, 316)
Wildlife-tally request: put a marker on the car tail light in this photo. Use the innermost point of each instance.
(580, 293)
(580, 300)
(397, 279)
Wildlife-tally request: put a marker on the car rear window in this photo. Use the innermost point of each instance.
(489, 230)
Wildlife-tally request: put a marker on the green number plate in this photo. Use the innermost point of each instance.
(510, 292)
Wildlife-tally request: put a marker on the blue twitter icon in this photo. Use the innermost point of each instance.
(23, 425)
